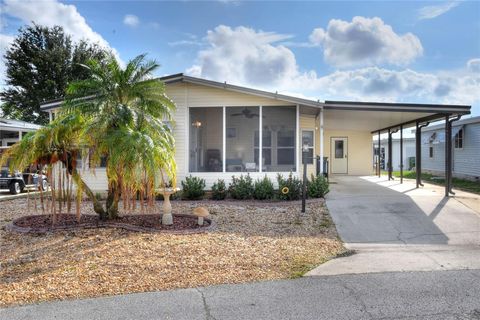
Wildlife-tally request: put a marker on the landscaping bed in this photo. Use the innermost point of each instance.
(252, 241)
(182, 223)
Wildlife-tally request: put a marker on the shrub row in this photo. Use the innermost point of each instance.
(244, 188)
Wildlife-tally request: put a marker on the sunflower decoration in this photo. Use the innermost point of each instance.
(285, 190)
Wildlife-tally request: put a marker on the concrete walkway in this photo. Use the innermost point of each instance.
(396, 227)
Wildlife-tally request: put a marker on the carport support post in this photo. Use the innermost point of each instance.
(448, 154)
(378, 158)
(389, 163)
(401, 154)
(418, 153)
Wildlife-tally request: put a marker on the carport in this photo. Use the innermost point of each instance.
(389, 118)
(12, 131)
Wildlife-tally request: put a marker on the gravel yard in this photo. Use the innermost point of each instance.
(252, 241)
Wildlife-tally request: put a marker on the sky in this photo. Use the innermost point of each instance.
(393, 51)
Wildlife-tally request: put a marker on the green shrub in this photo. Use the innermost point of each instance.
(317, 187)
(241, 188)
(289, 188)
(193, 188)
(263, 189)
(219, 190)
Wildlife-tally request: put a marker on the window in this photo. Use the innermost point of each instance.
(430, 152)
(240, 136)
(459, 139)
(338, 149)
(206, 139)
(279, 124)
(307, 139)
(240, 148)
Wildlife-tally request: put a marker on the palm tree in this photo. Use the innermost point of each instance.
(56, 145)
(129, 119)
(121, 115)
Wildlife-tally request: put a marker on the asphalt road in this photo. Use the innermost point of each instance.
(403, 295)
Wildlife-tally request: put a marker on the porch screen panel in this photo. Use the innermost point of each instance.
(279, 123)
(241, 141)
(206, 139)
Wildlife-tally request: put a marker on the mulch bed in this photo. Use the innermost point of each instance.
(182, 223)
(250, 241)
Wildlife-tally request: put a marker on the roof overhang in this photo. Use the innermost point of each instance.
(17, 125)
(380, 117)
(366, 116)
(234, 88)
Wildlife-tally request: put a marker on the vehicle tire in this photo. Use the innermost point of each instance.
(44, 185)
(15, 187)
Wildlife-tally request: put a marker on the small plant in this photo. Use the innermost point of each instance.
(98, 196)
(289, 188)
(219, 190)
(193, 188)
(241, 188)
(317, 187)
(263, 189)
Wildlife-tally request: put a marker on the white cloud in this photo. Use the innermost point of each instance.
(378, 84)
(430, 12)
(365, 41)
(474, 65)
(131, 20)
(254, 58)
(245, 56)
(52, 12)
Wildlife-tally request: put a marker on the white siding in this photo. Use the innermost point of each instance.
(466, 161)
(188, 95)
(408, 151)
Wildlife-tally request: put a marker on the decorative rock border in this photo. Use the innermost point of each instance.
(111, 224)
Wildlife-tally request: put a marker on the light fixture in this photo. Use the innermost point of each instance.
(196, 124)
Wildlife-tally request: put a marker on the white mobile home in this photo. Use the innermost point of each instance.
(408, 153)
(465, 149)
(12, 131)
(223, 130)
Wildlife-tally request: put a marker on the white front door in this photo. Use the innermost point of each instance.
(339, 155)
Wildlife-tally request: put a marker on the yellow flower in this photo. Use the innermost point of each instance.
(285, 190)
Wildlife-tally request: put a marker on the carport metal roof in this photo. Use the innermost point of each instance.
(379, 117)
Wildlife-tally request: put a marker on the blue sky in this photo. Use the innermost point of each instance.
(408, 51)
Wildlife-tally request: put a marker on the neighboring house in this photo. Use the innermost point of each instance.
(408, 153)
(223, 130)
(12, 131)
(465, 146)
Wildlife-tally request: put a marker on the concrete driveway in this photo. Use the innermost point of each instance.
(396, 227)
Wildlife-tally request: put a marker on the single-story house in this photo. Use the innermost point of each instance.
(465, 149)
(12, 131)
(223, 130)
(408, 153)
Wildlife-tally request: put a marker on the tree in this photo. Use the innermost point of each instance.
(120, 114)
(40, 64)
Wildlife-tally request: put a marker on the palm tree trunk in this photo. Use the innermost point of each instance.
(113, 198)
(97, 206)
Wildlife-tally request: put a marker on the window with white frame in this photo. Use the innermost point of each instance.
(459, 139)
(255, 139)
(308, 139)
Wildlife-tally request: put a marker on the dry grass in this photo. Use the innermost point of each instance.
(252, 242)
